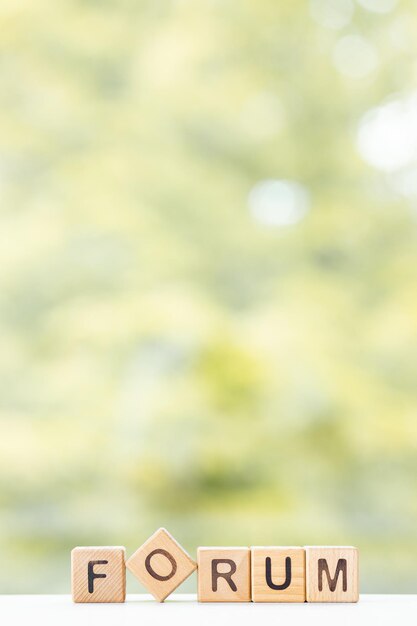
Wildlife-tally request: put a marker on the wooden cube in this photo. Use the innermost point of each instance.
(98, 574)
(332, 574)
(161, 564)
(278, 574)
(223, 575)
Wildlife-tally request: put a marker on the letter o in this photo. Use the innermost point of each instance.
(150, 569)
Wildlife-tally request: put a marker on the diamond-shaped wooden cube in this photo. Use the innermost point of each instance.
(161, 564)
(98, 574)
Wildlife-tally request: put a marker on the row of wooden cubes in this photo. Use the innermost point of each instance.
(225, 574)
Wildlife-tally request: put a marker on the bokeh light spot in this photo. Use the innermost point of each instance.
(355, 56)
(387, 135)
(378, 6)
(278, 202)
(334, 14)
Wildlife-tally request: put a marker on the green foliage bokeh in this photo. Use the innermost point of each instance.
(165, 358)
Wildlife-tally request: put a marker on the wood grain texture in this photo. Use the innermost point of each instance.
(223, 574)
(332, 574)
(106, 582)
(280, 567)
(161, 564)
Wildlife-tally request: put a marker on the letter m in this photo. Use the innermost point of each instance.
(332, 582)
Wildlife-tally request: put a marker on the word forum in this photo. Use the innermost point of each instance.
(225, 574)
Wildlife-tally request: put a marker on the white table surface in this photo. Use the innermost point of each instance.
(184, 610)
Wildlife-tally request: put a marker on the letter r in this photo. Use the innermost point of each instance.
(215, 574)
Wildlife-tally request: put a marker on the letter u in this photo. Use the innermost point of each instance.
(268, 574)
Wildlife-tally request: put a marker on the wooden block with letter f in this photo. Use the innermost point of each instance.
(278, 574)
(332, 574)
(98, 574)
(224, 575)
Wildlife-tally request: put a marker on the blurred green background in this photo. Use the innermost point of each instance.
(208, 279)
